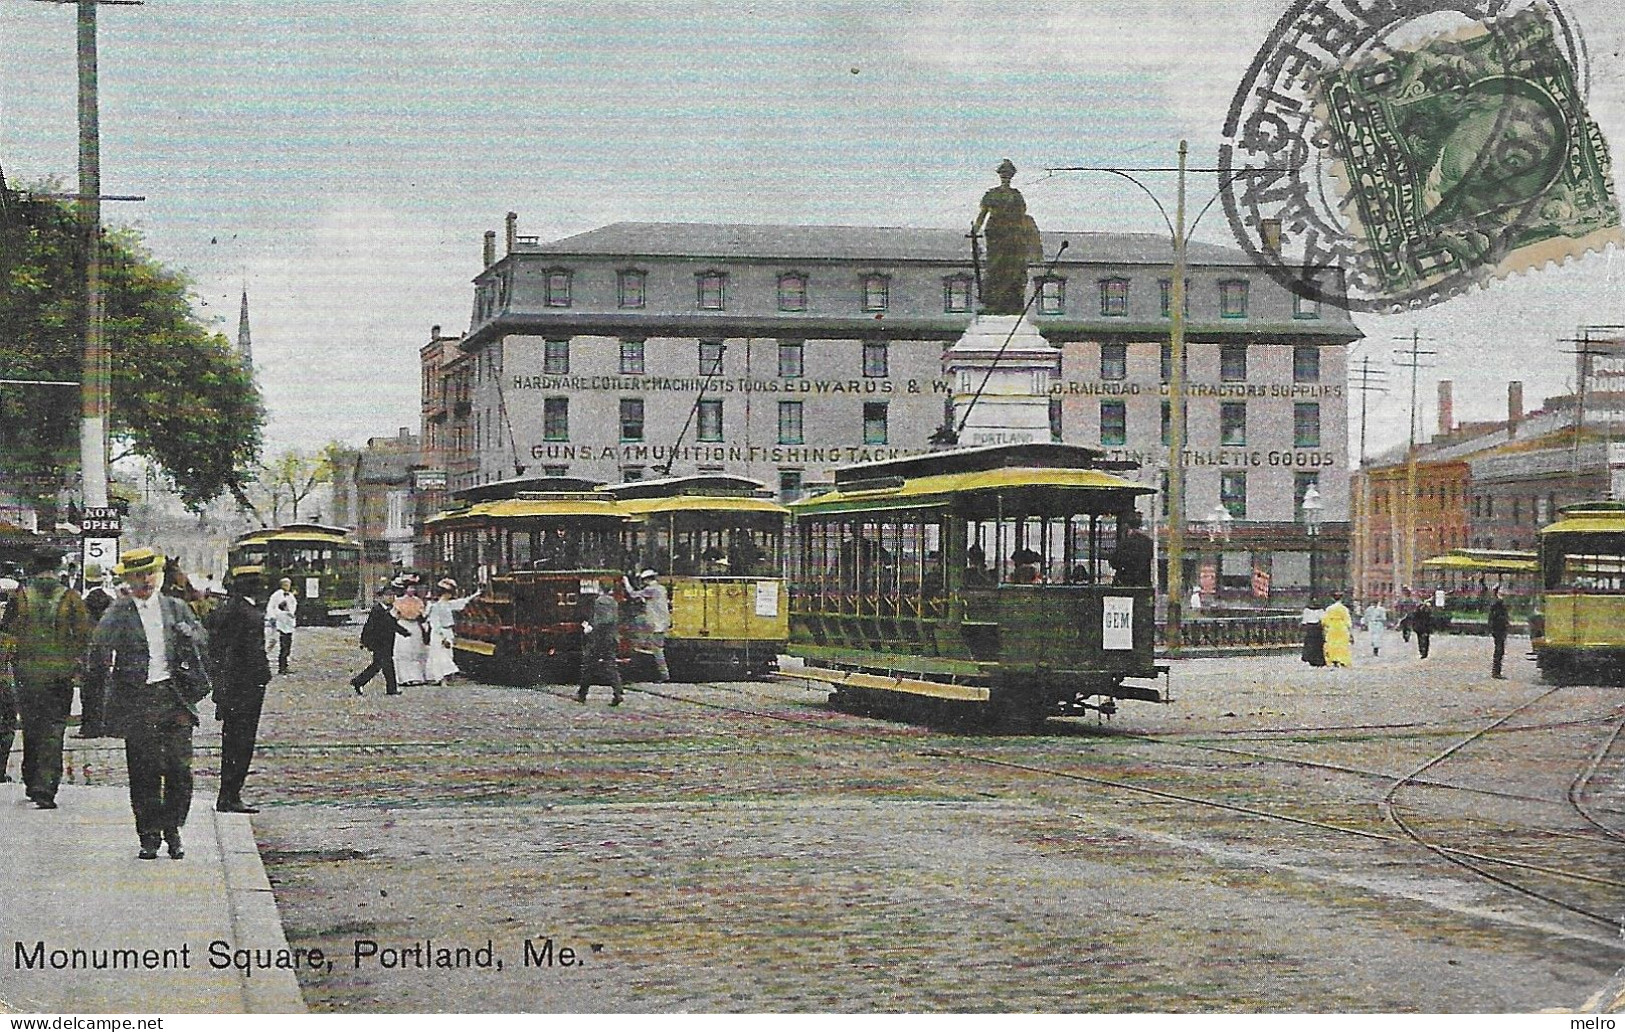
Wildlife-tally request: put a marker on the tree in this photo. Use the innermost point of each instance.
(290, 478)
(181, 396)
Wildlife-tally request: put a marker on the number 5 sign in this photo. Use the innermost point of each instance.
(101, 552)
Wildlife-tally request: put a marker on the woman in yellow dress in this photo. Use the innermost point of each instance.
(1338, 626)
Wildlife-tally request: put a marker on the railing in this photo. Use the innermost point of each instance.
(1254, 631)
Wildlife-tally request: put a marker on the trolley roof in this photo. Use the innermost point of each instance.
(1589, 518)
(514, 486)
(531, 505)
(716, 485)
(1481, 560)
(936, 478)
(299, 532)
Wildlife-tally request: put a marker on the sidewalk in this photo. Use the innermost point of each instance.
(71, 880)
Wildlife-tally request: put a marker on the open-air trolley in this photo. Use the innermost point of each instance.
(324, 564)
(718, 544)
(1579, 633)
(975, 583)
(528, 545)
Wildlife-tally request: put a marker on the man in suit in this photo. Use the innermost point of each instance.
(239, 672)
(378, 637)
(50, 626)
(1500, 623)
(601, 639)
(147, 659)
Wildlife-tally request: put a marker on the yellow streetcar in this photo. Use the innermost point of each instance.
(1579, 632)
(324, 564)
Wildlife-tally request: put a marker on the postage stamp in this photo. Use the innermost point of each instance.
(1399, 175)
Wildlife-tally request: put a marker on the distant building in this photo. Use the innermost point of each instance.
(375, 493)
(781, 352)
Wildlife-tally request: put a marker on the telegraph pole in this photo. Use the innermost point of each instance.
(1176, 418)
(1411, 358)
(1366, 380)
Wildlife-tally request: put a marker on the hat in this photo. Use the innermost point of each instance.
(1006, 167)
(139, 560)
(648, 575)
(243, 579)
(447, 584)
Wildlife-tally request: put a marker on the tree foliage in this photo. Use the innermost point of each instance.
(289, 479)
(181, 397)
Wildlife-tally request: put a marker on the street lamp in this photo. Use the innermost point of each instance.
(1313, 510)
(1218, 523)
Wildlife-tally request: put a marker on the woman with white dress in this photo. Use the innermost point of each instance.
(410, 651)
(442, 616)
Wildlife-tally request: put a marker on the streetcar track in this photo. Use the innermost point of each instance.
(1582, 781)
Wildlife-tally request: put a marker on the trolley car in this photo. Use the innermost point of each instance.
(324, 564)
(529, 545)
(973, 583)
(718, 543)
(1580, 630)
(1468, 574)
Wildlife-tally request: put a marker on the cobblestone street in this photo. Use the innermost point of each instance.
(743, 847)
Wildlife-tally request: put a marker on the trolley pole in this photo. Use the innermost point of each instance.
(1176, 419)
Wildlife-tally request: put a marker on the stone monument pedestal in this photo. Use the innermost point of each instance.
(1014, 403)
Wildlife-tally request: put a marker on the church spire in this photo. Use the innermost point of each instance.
(244, 348)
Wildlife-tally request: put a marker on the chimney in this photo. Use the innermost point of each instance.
(1514, 405)
(1447, 415)
(490, 248)
(406, 433)
(434, 332)
(513, 230)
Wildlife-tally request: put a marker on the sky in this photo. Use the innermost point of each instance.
(342, 160)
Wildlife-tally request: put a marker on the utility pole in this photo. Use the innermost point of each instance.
(1367, 380)
(1584, 352)
(1176, 418)
(1410, 358)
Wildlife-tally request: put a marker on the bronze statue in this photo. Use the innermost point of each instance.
(1012, 242)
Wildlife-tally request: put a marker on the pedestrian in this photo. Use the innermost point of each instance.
(1405, 609)
(442, 620)
(1314, 635)
(50, 628)
(1337, 626)
(411, 649)
(1422, 626)
(239, 671)
(378, 636)
(1376, 624)
(281, 618)
(652, 622)
(601, 638)
(147, 657)
(1499, 623)
(97, 595)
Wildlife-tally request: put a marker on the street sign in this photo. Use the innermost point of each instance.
(101, 552)
(100, 520)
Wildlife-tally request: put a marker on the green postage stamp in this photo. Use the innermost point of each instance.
(1468, 158)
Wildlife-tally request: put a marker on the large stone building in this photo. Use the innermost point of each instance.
(780, 352)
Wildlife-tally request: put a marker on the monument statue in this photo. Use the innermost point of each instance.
(1012, 243)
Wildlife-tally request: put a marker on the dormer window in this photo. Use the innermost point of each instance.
(793, 292)
(1114, 297)
(1052, 295)
(557, 290)
(630, 288)
(710, 289)
(876, 292)
(956, 293)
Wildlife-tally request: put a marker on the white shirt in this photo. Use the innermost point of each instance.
(280, 611)
(152, 621)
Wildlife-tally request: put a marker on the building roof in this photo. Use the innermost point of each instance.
(859, 243)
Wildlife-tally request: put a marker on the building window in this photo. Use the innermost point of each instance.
(631, 419)
(956, 294)
(1306, 424)
(1233, 423)
(710, 419)
(629, 288)
(556, 471)
(557, 291)
(1233, 299)
(631, 473)
(875, 358)
(1051, 295)
(1305, 307)
(711, 290)
(790, 423)
(1057, 421)
(1113, 423)
(1114, 361)
(792, 358)
(631, 356)
(792, 292)
(1162, 489)
(1167, 359)
(1114, 297)
(874, 422)
(556, 419)
(1301, 483)
(876, 292)
(1232, 362)
(711, 358)
(1166, 288)
(789, 485)
(1233, 493)
(556, 358)
(1167, 423)
(1305, 363)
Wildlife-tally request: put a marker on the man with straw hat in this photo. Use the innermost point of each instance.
(147, 658)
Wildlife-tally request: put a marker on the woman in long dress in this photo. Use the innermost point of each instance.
(1338, 627)
(410, 651)
(1314, 636)
(442, 616)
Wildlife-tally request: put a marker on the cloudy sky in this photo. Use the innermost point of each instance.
(343, 159)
